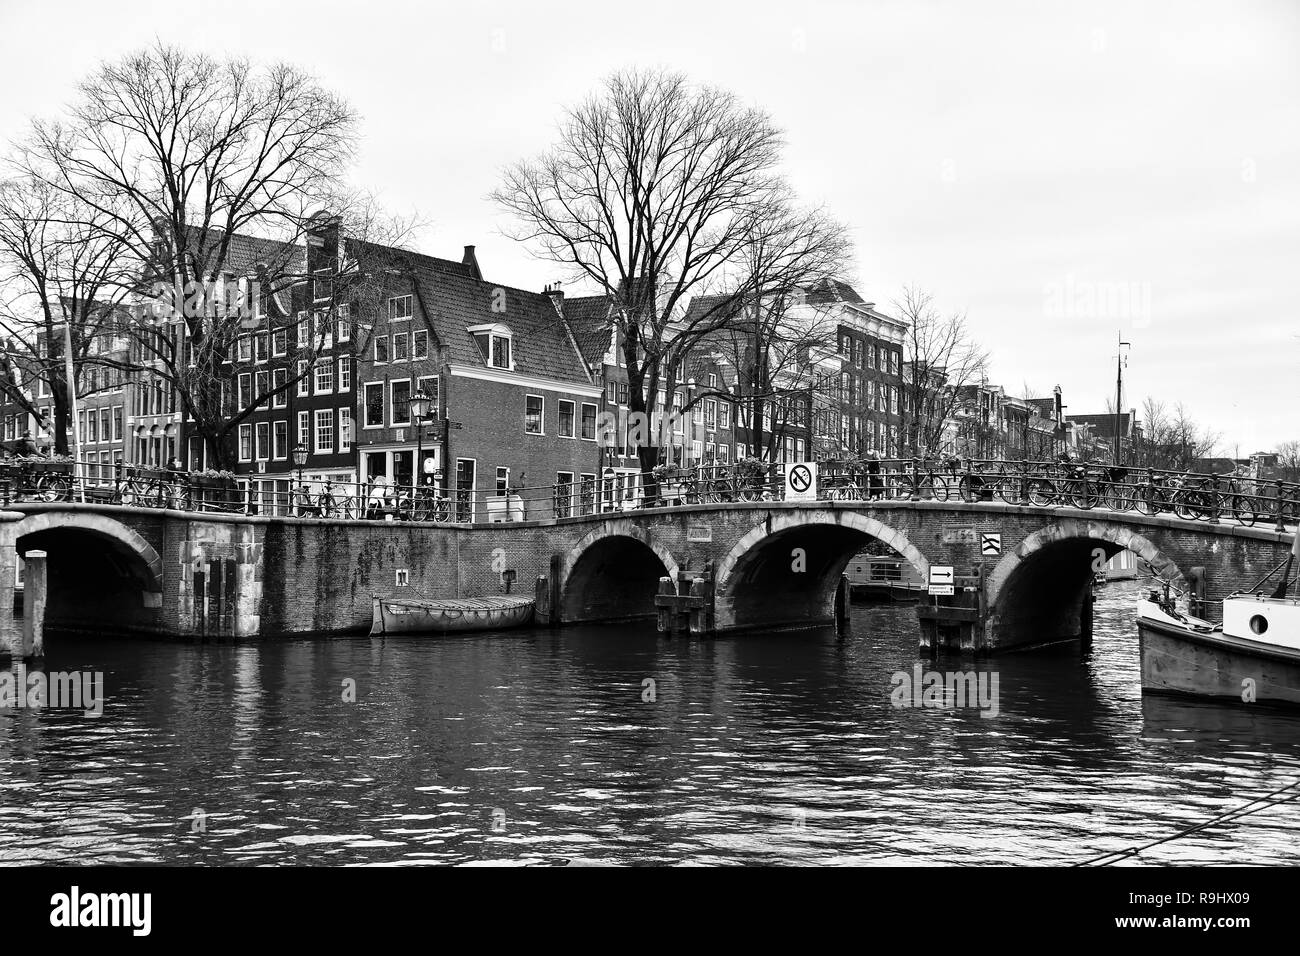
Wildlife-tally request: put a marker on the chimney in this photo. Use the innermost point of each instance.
(556, 295)
(871, 306)
(471, 261)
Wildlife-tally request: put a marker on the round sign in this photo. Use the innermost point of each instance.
(800, 478)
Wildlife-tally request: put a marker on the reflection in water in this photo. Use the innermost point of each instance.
(545, 746)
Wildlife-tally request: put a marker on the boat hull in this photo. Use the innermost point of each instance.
(1179, 661)
(451, 616)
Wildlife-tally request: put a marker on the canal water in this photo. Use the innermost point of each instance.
(609, 744)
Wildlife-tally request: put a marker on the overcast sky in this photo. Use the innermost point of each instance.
(1060, 172)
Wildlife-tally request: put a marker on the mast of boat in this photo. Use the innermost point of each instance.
(1290, 561)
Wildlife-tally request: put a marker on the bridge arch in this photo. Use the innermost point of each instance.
(1035, 594)
(613, 573)
(102, 574)
(758, 583)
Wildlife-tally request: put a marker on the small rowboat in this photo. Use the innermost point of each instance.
(448, 615)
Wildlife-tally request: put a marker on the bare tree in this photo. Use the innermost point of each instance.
(940, 360)
(1171, 438)
(181, 161)
(657, 192)
(1288, 460)
(60, 279)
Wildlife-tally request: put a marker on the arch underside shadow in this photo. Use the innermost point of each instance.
(613, 574)
(785, 572)
(1037, 593)
(102, 577)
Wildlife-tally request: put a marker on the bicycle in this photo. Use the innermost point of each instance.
(929, 484)
(424, 504)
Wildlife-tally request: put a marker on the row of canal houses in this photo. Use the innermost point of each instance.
(522, 386)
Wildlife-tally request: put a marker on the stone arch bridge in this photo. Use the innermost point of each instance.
(197, 575)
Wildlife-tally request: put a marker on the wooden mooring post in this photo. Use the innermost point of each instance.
(686, 606)
(35, 597)
(959, 624)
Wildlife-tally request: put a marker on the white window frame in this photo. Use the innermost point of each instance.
(392, 407)
(326, 415)
(410, 307)
(304, 429)
(573, 418)
(345, 437)
(365, 404)
(344, 374)
(540, 418)
(246, 428)
(325, 365)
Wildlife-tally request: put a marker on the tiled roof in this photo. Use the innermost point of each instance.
(457, 302)
(588, 317)
(832, 290)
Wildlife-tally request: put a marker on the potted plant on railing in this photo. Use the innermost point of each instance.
(213, 488)
(668, 482)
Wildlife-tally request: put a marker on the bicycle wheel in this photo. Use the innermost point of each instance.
(1008, 488)
(52, 488)
(1243, 509)
(1081, 495)
(1041, 492)
(1185, 506)
(968, 488)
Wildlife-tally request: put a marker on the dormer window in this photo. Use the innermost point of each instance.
(496, 343)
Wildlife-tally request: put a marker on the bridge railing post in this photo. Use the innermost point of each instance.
(916, 480)
(1280, 505)
(1214, 499)
(1024, 481)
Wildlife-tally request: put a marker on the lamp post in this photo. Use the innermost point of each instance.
(300, 459)
(420, 404)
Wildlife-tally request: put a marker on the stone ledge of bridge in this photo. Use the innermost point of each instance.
(1225, 527)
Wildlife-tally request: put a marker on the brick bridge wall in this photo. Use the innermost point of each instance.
(775, 564)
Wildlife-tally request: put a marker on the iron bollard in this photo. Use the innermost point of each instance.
(1214, 499)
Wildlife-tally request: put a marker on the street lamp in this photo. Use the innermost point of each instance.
(421, 402)
(300, 459)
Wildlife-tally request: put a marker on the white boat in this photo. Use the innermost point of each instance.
(448, 615)
(1253, 656)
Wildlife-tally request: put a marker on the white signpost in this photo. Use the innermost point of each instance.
(941, 579)
(801, 481)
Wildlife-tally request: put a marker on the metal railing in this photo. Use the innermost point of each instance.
(1043, 484)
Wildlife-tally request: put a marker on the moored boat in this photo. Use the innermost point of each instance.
(448, 615)
(1253, 656)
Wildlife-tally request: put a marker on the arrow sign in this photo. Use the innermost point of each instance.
(990, 543)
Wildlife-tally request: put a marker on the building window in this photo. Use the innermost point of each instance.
(263, 441)
(503, 482)
(324, 431)
(566, 419)
(324, 376)
(345, 429)
(534, 408)
(710, 414)
(495, 344)
(263, 385)
(381, 350)
(588, 422)
(303, 385)
(304, 429)
(345, 374)
(420, 343)
(246, 442)
(280, 343)
(399, 307)
(345, 324)
(244, 348)
(281, 450)
(374, 405)
(401, 395)
(262, 351)
(622, 393)
(245, 391)
(304, 331)
(400, 353)
(724, 415)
